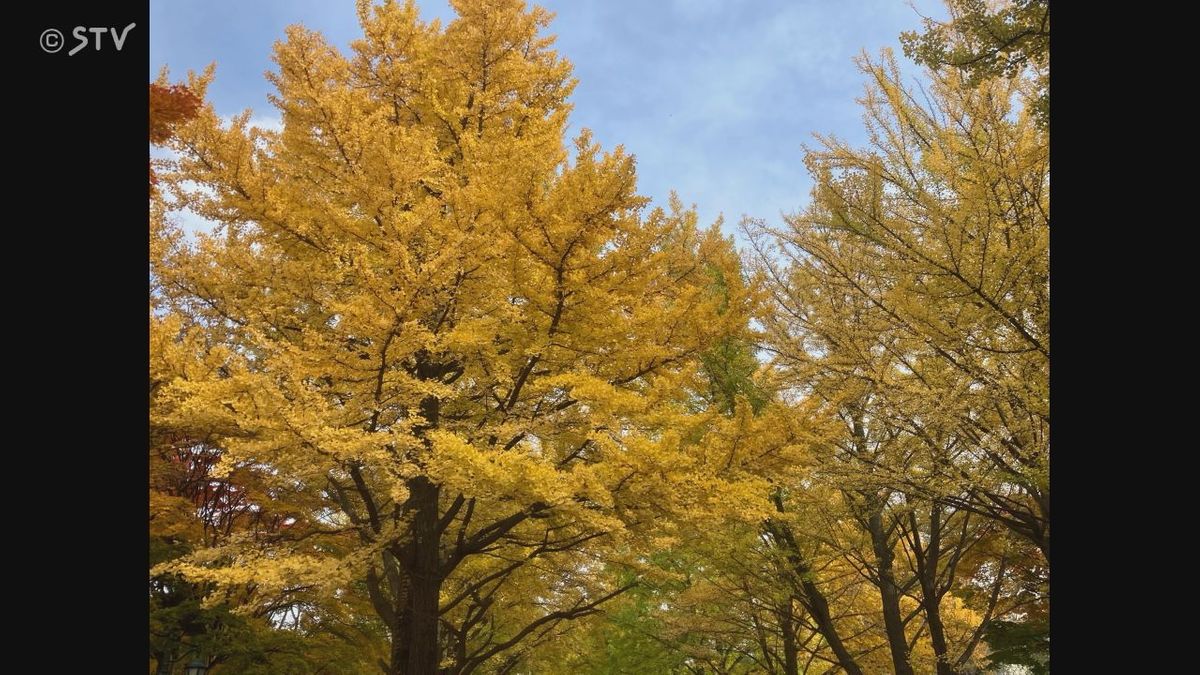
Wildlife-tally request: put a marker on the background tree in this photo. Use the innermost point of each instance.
(911, 301)
(942, 230)
(987, 40)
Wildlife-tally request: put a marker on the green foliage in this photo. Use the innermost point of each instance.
(1020, 644)
(987, 44)
(629, 641)
(730, 365)
(182, 627)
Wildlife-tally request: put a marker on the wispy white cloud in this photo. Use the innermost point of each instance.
(714, 97)
(267, 122)
(193, 224)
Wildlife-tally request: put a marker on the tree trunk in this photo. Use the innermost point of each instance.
(937, 632)
(415, 646)
(928, 559)
(811, 597)
(425, 590)
(166, 663)
(1043, 533)
(818, 606)
(889, 594)
(787, 627)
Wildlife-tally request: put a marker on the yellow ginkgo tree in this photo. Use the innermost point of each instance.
(472, 346)
(910, 305)
(920, 273)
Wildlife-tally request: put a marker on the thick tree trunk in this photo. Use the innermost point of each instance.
(426, 585)
(937, 631)
(415, 645)
(399, 650)
(889, 593)
(790, 652)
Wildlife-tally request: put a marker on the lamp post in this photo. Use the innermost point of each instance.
(196, 667)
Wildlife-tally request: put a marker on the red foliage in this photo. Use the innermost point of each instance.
(170, 106)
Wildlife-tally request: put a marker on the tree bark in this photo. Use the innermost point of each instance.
(791, 664)
(889, 593)
(810, 596)
(937, 632)
(818, 606)
(928, 558)
(421, 613)
(415, 644)
(166, 663)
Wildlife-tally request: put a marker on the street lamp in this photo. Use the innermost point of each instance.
(195, 667)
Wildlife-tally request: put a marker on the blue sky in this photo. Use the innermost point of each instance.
(715, 98)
